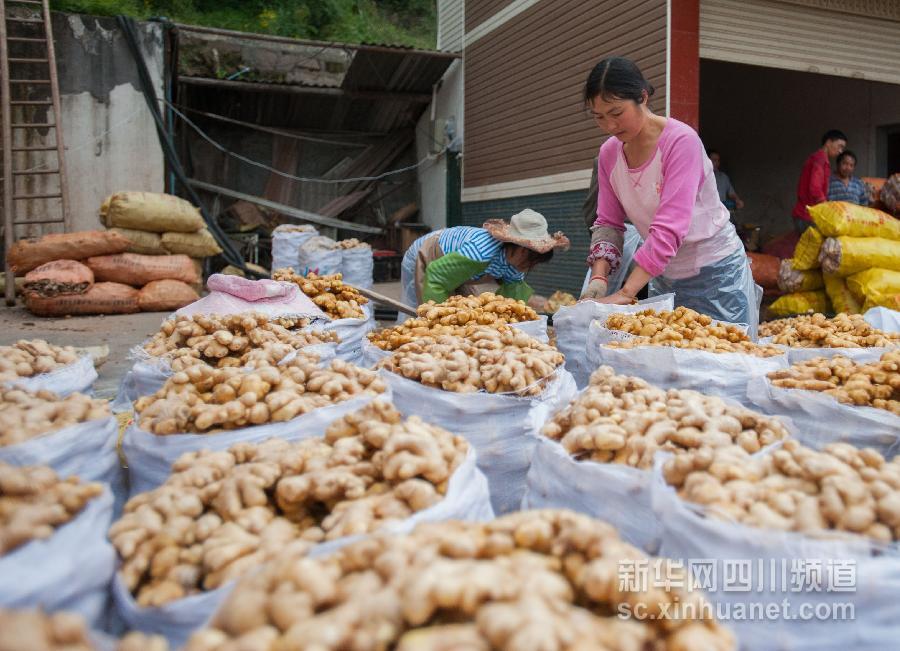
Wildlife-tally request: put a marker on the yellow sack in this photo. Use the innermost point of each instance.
(806, 253)
(834, 218)
(197, 245)
(794, 280)
(150, 211)
(881, 287)
(800, 303)
(142, 242)
(840, 295)
(846, 256)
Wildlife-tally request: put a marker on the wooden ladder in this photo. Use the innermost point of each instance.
(29, 87)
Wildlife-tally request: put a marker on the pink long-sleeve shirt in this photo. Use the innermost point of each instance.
(671, 199)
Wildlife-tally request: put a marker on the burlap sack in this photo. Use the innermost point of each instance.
(150, 211)
(197, 245)
(138, 270)
(59, 277)
(165, 296)
(101, 298)
(143, 242)
(26, 255)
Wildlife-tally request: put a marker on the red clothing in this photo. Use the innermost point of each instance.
(813, 186)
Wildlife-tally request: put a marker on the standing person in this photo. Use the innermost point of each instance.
(655, 172)
(468, 260)
(812, 188)
(727, 194)
(843, 186)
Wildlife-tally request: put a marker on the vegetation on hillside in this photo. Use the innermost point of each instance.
(395, 22)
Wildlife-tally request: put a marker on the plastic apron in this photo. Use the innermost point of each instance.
(723, 290)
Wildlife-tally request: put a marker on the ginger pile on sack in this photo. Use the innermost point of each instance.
(684, 328)
(456, 316)
(353, 243)
(220, 514)
(26, 414)
(329, 293)
(622, 419)
(530, 580)
(34, 501)
(29, 358)
(35, 630)
(872, 384)
(818, 331)
(488, 359)
(794, 488)
(204, 400)
(249, 339)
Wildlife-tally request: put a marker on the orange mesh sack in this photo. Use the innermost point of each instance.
(101, 298)
(138, 270)
(26, 255)
(59, 277)
(166, 296)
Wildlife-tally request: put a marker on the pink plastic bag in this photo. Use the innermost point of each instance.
(233, 295)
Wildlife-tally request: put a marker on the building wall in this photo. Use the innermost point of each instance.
(765, 122)
(451, 25)
(430, 134)
(110, 137)
(563, 212)
(523, 84)
(478, 11)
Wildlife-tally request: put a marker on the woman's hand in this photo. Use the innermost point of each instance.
(618, 298)
(595, 290)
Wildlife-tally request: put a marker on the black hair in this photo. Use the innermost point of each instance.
(534, 258)
(617, 78)
(710, 152)
(846, 154)
(833, 134)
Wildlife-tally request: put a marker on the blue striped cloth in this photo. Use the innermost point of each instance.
(853, 192)
(477, 244)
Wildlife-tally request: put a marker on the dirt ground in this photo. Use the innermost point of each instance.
(119, 332)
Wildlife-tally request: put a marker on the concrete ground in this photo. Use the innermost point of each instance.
(120, 332)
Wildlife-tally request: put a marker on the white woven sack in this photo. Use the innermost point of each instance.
(618, 494)
(883, 318)
(720, 374)
(571, 324)
(818, 419)
(149, 374)
(352, 334)
(496, 425)
(467, 498)
(78, 376)
(87, 450)
(536, 329)
(796, 354)
(690, 536)
(71, 570)
(150, 456)
(372, 354)
(358, 267)
(323, 262)
(286, 247)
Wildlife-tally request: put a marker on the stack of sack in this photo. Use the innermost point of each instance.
(765, 272)
(302, 249)
(848, 261)
(159, 224)
(88, 272)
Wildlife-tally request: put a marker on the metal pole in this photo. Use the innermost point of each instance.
(6, 119)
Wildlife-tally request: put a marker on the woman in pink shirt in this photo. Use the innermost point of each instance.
(655, 173)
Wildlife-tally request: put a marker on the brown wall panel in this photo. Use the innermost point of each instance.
(523, 112)
(478, 11)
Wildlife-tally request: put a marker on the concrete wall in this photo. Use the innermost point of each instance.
(448, 104)
(110, 137)
(765, 122)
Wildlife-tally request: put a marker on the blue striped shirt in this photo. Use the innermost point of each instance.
(477, 244)
(854, 192)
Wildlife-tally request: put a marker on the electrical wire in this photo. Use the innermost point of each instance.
(305, 179)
